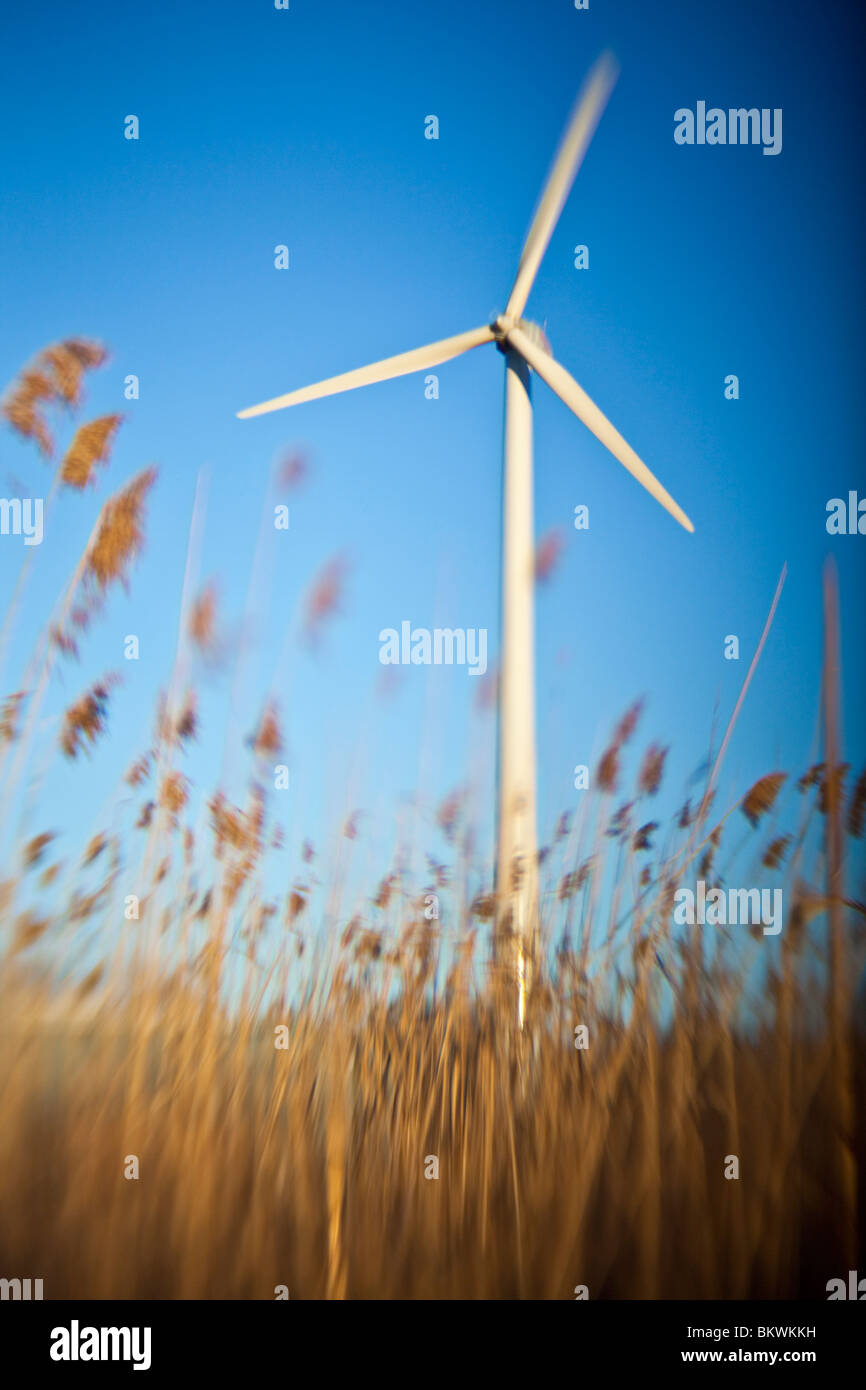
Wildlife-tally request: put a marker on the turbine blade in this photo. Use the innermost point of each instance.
(574, 396)
(580, 129)
(414, 361)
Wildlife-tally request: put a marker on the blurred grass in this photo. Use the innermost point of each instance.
(304, 1165)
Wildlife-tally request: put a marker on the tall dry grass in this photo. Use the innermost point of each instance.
(304, 1164)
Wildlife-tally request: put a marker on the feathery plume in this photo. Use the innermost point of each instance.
(652, 768)
(90, 447)
(86, 719)
(324, 597)
(547, 553)
(121, 532)
(760, 798)
(857, 807)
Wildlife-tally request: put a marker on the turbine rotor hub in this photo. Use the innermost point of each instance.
(505, 322)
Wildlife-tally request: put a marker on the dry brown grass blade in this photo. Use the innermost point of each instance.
(711, 783)
(839, 1000)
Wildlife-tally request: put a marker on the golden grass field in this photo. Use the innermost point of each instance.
(303, 1165)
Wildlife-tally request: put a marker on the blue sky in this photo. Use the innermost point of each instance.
(306, 127)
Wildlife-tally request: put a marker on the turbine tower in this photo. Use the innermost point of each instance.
(524, 347)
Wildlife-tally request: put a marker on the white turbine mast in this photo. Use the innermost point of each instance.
(524, 346)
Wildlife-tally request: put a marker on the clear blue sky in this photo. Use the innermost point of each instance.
(306, 127)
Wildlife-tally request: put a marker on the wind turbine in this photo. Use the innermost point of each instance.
(524, 346)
